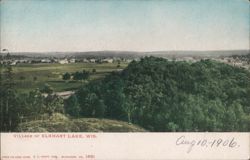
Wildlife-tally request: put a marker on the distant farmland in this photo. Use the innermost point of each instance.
(31, 76)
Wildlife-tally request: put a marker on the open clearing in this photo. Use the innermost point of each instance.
(31, 76)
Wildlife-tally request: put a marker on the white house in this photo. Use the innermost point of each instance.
(92, 60)
(73, 60)
(85, 60)
(107, 60)
(64, 61)
(13, 63)
(46, 61)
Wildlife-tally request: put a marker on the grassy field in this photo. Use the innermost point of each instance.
(31, 76)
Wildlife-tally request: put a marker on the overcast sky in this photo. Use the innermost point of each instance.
(132, 25)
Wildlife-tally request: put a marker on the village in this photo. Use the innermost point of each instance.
(234, 60)
(14, 60)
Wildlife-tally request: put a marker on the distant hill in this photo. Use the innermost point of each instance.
(61, 123)
(133, 54)
(215, 53)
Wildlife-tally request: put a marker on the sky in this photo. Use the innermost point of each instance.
(130, 25)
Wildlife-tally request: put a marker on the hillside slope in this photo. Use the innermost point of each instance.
(61, 123)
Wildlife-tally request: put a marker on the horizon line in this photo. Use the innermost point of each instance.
(128, 51)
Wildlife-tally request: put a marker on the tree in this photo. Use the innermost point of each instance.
(2, 90)
(99, 109)
(77, 76)
(53, 104)
(72, 107)
(8, 77)
(93, 70)
(34, 104)
(84, 75)
(88, 108)
(35, 78)
(129, 108)
(47, 89)
(66, 76)
(111, 92)
(9, 103)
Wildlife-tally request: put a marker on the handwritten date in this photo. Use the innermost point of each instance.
(212, 143)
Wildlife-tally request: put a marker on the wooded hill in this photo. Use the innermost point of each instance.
(154, 93)
(162, 95)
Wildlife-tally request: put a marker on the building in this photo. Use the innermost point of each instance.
(46, 61)
(64, 61)
(107, 60)
(73, 60)
(13, 63)
(85, 60)
(92, 60)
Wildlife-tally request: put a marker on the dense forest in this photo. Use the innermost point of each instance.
(154, 93)
(162, 95)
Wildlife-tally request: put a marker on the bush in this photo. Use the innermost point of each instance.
(66, 76)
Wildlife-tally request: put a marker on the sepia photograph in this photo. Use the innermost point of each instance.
(125, 67)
